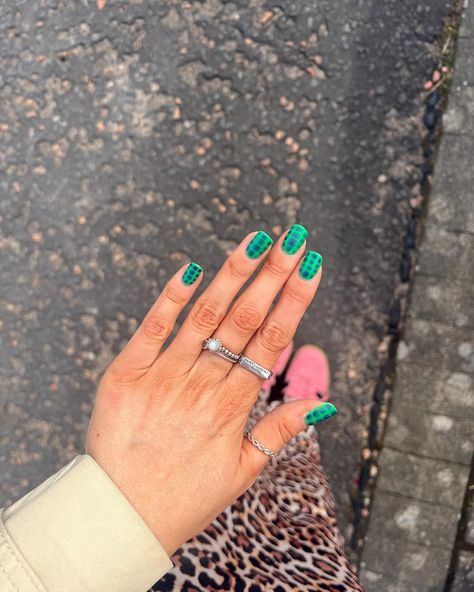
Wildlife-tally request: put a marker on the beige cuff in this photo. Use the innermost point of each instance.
(78, 532)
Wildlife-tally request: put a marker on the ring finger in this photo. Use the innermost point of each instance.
(279, 327)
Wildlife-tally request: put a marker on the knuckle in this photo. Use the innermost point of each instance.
(116, 374)
(254, 470)
(207, 315)
(297, 297)
(114, 384)
(273, 336)
(230, 406)
(235, 269)
(162, 384)
(246, 317)
(284, 431)
(254, 467)
(156, 328)
(175, 296)
(198, 386)
(274, 269)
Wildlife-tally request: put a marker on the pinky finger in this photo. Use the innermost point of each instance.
(144, 347)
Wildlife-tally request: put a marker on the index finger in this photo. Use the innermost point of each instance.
(211, 307)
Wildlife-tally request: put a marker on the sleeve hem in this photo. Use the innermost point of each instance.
(78, 532)
(14, 570)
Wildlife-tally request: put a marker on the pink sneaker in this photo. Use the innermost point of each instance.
(278, 368)
(307, 376)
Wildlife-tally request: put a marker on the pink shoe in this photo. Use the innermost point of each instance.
(278, 368)
(307, 376)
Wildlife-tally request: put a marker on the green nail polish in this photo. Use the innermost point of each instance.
(320, 413)
(258, 245)
(310, 265)
(294, 238)
(191, 273)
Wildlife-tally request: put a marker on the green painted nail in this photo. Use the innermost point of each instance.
(294, 238)
(258, 245)
(320, 413)
(310, 265)
(191, 273)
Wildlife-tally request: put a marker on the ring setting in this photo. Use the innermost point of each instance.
(216, 346)
(213, 344)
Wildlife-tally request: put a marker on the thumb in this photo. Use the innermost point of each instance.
(277, 428)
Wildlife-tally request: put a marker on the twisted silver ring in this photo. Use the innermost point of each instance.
(215, 346)
(261, 447)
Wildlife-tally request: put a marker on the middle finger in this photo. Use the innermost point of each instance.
(250, 309)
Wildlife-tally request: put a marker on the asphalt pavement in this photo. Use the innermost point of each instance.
(136, 135)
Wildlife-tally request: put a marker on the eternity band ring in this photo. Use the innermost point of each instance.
(261, 447)
(215, 346)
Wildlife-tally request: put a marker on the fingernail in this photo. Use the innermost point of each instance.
(191, 273)
(310, 265)
(258, 245)
(320, 413)
(294, 238)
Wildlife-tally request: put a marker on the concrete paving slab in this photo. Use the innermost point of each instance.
(459, 116)
(451, 203)
(411, 565)
(413, 520)
(411, 428)
(438, 345)
(446, 253)
(375, 582)
(443, 300)
(464, 64)
(425, 479)
(466, 30)
(435, 389)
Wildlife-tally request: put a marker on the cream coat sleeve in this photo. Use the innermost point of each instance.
(77, 532)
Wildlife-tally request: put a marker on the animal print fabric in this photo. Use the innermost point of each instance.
(279, 536)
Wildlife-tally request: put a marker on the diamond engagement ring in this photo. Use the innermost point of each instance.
(252, 366)
(215, 346)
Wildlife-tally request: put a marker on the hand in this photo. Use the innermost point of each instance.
(167, 426)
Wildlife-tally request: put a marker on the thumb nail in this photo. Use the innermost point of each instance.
(320, 413)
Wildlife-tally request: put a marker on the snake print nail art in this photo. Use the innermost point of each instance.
(191, 273)
(294, 238)
(258, 245)
(310, 265)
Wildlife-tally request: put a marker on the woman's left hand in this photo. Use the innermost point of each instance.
(168, 426)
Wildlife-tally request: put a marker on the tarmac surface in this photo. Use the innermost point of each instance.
(136, 135)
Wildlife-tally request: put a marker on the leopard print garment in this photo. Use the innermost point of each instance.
(279, 536)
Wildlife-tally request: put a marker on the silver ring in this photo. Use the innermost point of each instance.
(215, 346)
(252, 366)
(261, 447)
